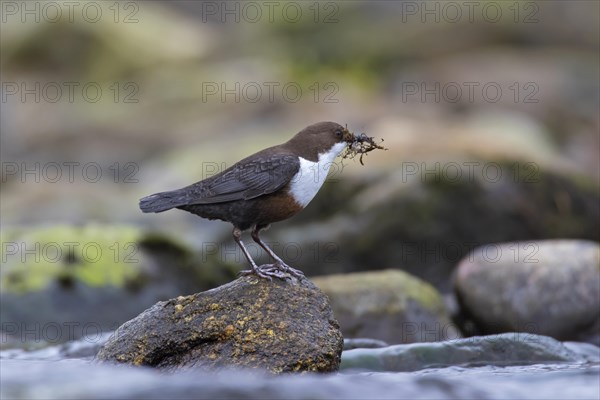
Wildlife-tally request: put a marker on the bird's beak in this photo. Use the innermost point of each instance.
(348, 136)
(352, 138)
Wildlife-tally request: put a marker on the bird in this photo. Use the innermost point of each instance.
(269, 186)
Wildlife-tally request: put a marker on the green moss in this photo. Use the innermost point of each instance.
(389, 281)
(96, 255)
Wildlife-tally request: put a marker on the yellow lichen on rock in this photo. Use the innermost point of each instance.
(276, 325)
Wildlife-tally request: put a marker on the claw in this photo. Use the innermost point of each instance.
(276, 270)
(291, 271)
(256, 271)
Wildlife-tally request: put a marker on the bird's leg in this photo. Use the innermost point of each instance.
(266, 273)
(278, 261)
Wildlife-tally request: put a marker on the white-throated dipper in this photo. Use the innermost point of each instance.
(269, 186)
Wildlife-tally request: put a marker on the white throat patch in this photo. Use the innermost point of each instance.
(309, 179)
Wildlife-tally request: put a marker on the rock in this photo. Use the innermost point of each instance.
(587, 351)
(60, 283)
(387, 305)
(274, 325)
(546, 287)
(500, 350)
(363, 343)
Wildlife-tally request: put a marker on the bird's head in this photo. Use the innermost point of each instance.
(322, 138)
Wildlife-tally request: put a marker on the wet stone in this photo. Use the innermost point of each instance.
(279, 326)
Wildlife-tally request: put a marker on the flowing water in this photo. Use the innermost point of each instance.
(77, 378)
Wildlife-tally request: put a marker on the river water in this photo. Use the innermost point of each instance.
(84, 379)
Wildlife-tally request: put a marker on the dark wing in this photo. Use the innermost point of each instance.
(245, 180)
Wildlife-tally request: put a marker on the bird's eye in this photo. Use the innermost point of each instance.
(338, 133)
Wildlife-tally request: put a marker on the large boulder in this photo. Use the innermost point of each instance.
(389, 305)
(280, 326)
(547, 287)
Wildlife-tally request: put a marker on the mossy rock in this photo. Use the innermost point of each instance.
(93, 255)
(279, 326)
(61, 282)
(389, 305)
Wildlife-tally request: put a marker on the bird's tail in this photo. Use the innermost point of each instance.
(163, 201)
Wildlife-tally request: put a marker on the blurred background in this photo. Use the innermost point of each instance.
(489, 111)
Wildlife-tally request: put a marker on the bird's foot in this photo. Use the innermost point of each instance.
(296, 273)
(267, 271)
(276, 270)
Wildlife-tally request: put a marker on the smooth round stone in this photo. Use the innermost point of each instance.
(549, 287)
